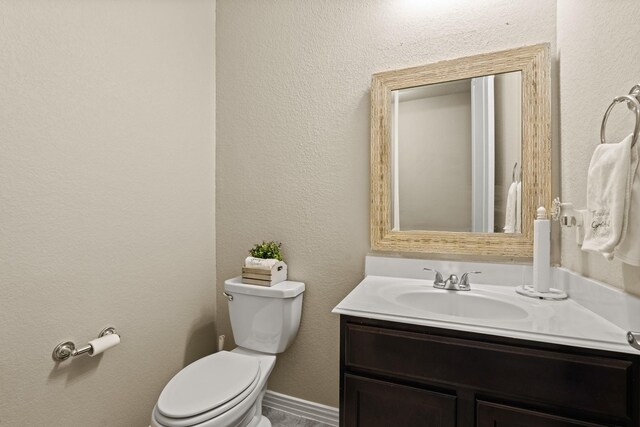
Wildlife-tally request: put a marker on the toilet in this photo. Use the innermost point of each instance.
(225, 389)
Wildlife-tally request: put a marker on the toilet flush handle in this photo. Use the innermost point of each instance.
(229, 297)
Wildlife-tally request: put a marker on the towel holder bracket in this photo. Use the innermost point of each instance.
(568, 216)
(635, 92)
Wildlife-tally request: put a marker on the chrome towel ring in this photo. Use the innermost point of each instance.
(632, 104)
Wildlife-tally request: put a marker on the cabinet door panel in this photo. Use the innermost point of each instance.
(373, 403)
(495, 415)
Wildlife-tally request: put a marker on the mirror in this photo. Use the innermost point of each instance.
(455, 151)
(451, 145)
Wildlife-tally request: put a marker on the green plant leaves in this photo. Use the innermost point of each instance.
(267, 250)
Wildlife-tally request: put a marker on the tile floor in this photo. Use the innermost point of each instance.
(285, 419)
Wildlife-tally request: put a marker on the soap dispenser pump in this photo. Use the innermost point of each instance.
(541, 288)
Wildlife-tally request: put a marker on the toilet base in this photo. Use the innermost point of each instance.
(261, 421)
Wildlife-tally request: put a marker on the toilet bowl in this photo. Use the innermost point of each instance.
(225, 389)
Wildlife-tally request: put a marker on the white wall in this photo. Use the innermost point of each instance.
(599, 60)
(508, 139)
(106, 203)
(434, 162)
(293, 138)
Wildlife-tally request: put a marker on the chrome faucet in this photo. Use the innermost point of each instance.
(438, 281)
(452, 283)
(464, 280)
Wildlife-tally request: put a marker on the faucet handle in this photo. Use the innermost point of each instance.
(438, 280)
(464, 280)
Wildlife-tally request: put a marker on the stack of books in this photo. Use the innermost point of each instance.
(259, 275)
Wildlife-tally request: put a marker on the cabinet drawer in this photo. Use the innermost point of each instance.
(594, 384)
(375, 403)
(495, 415)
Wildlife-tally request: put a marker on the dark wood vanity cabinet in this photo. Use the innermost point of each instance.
(395, 374)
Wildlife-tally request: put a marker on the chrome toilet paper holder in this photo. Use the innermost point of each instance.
(67, 349)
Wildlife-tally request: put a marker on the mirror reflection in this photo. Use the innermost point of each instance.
(456, 155)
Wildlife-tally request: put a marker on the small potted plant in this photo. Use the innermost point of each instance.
(267, 250)
(265, 266)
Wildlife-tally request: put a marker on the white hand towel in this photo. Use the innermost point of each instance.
(607, 194)
(510, 210)
(628, 250)
(519, 207)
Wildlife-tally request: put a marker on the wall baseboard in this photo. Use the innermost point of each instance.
(302, 408)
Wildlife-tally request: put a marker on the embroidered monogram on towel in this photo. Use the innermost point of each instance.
(601, 223)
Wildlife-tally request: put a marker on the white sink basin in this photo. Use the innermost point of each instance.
(483, 303)
(460, 304)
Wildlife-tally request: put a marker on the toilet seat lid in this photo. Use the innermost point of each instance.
(207, 383)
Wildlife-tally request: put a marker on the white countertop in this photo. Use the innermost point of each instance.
(560, 322)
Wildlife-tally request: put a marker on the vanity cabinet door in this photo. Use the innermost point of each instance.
(373, 403)
(496, 415)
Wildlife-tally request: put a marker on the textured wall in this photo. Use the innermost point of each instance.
(508, 138)
(599, 60)
(434, 162)
(293, 138)
(106, 203)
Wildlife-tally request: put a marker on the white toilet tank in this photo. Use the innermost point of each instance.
(264, 319)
